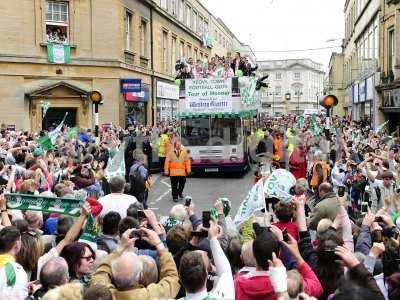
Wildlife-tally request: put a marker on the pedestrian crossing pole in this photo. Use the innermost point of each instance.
(329, 102)
(96, 98)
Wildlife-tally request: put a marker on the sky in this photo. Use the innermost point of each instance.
(275, 25)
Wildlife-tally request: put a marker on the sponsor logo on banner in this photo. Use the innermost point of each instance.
(209, 95)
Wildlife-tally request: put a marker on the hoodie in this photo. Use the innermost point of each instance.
(254, 286)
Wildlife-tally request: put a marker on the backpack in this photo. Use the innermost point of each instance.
(137, 181)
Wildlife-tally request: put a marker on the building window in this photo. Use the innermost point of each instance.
(278, 91)
(182, 49)
(164, 47)
(201, 55)
(200, 26)
(173, 7)
(128, 30)
(205, 26)
(391, 49)
(189, 51)
(223, 43)
(196, 56)
(297, 76)
(173, 52)
(216, 36)
(188, 16)
(278, 76)
(164, 4)
(181, 8)
(57, 22)
(194, 21)
(143, 38)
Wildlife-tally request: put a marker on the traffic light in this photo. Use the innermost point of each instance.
(329, 101)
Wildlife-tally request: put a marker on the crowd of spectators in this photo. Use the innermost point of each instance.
(321, 244)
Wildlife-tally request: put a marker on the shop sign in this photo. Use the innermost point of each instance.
(355, 93)
(370, 88)
(167, 91)
(142, 96)
(362, 91)
(11, 127)
(131, 85)
(209, 95)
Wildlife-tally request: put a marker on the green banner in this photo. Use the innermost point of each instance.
(58, 53)
(64, 206)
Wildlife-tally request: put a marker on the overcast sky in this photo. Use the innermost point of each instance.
(271, 25)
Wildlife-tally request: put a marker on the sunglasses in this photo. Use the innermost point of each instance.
(88, 258)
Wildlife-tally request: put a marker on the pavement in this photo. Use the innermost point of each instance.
(204, 189)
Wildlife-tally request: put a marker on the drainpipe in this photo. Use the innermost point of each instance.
(153, 86)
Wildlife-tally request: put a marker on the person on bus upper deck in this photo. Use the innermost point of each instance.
(238, 63)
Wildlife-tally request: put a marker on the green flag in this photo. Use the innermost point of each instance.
(45, 143)
(58, 53)
(90, 232)
(381, 127)
(72, 132)
(116, 166)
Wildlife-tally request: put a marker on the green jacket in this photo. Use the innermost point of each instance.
(328, 208)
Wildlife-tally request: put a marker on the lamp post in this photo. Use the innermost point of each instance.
(273, 94)
(298, 94)
(288, 96)
(317, 95)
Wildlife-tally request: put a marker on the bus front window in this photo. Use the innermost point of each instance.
(226, 131)
(196, 132)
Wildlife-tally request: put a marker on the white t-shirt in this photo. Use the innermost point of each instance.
(116, 202)
(20, 288)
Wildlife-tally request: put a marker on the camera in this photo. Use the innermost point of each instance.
(179, 66)
(188, 201)
(136, 233)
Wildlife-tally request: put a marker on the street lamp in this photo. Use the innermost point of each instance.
(273, 94)
(317, 96)
(298, 94)
(288, 96)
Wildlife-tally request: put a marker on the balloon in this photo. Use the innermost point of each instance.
(178, 82)
(239, 73)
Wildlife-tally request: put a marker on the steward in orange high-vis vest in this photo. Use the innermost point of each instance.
(177, 167)
(320, 171)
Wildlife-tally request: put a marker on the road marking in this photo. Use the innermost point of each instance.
(166, 183)
(161, 197)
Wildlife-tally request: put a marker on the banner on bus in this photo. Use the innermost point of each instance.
(209, 95)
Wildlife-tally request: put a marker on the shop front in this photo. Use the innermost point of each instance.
(390, 95)
(167, 101)
(363, 100)
(136, 95)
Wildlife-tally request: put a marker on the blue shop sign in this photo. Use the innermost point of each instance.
(133, 85)
(142, 96)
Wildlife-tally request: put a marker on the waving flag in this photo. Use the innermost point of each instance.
(254, 201)
(116, 166)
